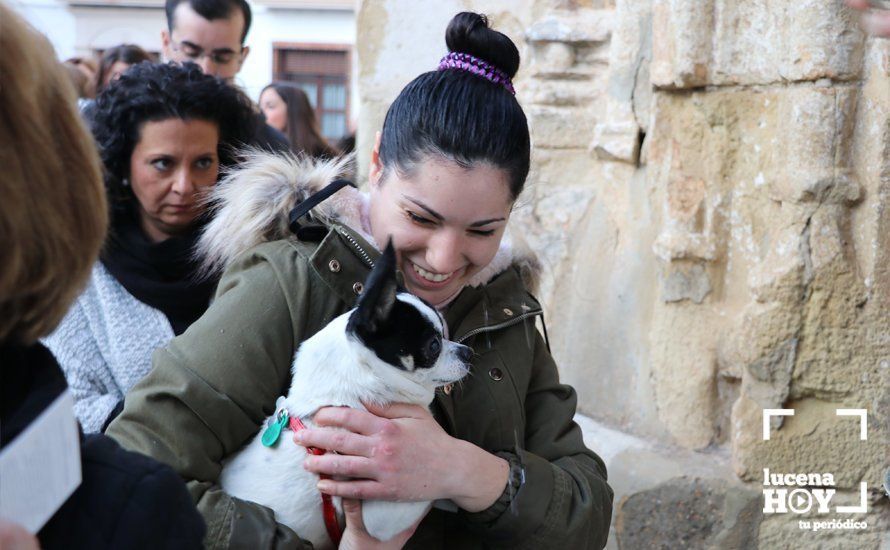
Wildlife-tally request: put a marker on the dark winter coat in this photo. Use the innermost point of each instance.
(212, 387)
(125, 499)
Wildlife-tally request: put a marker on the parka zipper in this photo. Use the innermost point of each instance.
(499, 326)
(358, 247)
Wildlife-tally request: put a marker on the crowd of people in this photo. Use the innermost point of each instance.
(171, 307)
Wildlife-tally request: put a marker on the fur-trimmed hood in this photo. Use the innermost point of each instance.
(251, 205)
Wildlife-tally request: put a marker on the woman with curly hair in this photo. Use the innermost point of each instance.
(164, 132)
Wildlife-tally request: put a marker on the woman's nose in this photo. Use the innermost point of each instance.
(183, 183)
(444, 252)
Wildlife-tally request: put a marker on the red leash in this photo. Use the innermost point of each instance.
(327, 503)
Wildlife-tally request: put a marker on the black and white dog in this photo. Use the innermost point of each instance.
(390, 348)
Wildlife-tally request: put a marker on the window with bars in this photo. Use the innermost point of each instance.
(322, 71)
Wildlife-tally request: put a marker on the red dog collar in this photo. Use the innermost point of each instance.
(327, 503)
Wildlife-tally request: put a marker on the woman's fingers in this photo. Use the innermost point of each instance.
(354, 420)
(877, 23)
(874, 21)
(339, 465)
(362, 489)
(352, 509)
(331, 439)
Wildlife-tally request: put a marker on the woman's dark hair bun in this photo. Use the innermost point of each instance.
(461, 115)
(468, 32)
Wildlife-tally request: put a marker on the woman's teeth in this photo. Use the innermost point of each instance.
(431, 277)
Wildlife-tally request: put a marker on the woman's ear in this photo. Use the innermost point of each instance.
(375, 170)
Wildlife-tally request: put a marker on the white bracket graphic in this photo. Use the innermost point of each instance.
(768, 414)
(863, 502)
(863, 420)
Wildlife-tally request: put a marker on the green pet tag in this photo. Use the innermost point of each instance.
(273, 432)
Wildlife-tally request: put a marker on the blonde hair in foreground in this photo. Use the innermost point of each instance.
(53, 215)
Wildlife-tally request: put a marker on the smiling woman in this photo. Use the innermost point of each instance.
(499, 451)
(164, 131)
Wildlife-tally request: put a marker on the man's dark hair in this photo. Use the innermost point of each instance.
(212, 9)
(149, 92)
(459, 115)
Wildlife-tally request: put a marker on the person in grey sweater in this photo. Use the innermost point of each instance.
(164, 132)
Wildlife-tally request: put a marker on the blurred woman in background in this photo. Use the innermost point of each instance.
(116, 60)
(288, 110)
(82, 72)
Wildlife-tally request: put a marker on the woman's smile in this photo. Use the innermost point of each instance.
(430, 278)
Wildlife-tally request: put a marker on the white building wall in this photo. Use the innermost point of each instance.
(52, 18)
(78, 31)
(271, 25)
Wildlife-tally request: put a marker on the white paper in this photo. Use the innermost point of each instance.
(41, 468)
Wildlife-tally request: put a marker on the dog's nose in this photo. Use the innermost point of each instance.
(464, 353)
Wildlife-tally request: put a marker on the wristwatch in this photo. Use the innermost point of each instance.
(515, 481)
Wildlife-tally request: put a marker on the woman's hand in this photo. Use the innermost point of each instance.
(875, 21)
(355, 536)
(399, 452)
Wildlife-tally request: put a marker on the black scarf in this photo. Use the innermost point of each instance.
(162, 275)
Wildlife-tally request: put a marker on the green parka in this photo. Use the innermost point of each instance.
(211, 388)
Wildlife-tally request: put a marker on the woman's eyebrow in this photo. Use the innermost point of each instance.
(480, 223)
(440, 217)
(429, 210)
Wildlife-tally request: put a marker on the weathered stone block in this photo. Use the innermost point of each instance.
(577, 26)
(561, 92)
(767, 379)
(558, 167)
(685, 281)
(812, 139)
(681, 43)
(617, 141)
(761, 332)
(690, 513)
(794, 142)
(560, 128)
(720, 42)
(557, 57)
(838, 352)
(783, 271)
(814, 440)
(684, 381)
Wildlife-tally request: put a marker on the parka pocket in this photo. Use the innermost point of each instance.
(489, 410)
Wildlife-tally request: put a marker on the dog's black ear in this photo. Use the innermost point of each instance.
(379, 296)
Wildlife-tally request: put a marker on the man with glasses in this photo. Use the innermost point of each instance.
(211, 34)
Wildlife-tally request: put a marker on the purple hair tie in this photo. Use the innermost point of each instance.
(479, 67)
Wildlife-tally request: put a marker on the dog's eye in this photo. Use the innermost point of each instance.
(435, 347)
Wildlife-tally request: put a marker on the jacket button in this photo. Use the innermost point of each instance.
(508, 312)
(447, 389)
(496, 374)
(334, 266)
(358, 288)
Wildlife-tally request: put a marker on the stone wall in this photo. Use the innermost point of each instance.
(710, 197)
